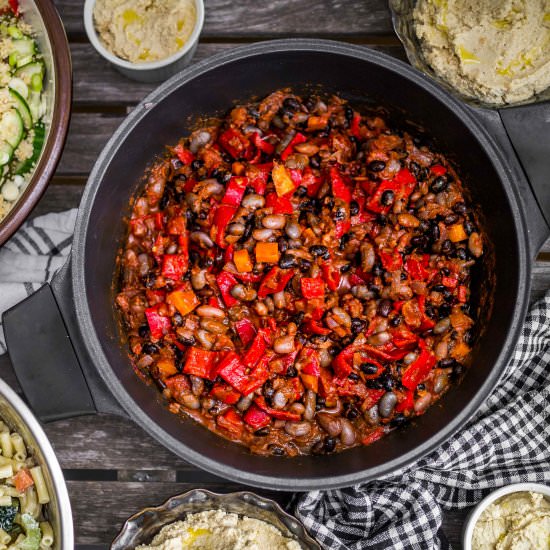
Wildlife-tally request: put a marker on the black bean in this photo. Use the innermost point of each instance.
(357, 325)
(387, 197)
(348, 113)
(177, 319)
(345, 268)
(381, 220)
(197, 164)
(354, 376)
(352, 412)
(373, 384)
(291, 372)
(283, 244)
(444, 311)
(305, 265)
(318, 338)
(469, 337)
(438, 288)
(252, 111)
(163, 203)
(460, 208)
(450, 219)
(439, 184)
(277, 451)
(262, 432)
(388, 383)
(468, 227)
(315, 162)
(344, 241)
(377, 165)
(446, 363)
(446, 247)
(329, 444)
(384, 307)
(319, 250)
(298, 318)
(287, 260)
(301, 191)
(434, 232)
(339, 214)
(149, 348)
(377, 270)
(419, 241)
(291, 104)
(396, 321)
(421, 387)
(143, 331)
(354, 208)
(188, 340)
(461, 253)
(399, 421)
(369, 368)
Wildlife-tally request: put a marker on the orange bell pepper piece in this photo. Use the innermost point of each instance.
(167, 366)
(267, 253)
(242, 261)
(185, 301)
(282, 180)
(456, 233)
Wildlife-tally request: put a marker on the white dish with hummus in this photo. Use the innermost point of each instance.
(515, 517)
(145, 40)
(491, 52)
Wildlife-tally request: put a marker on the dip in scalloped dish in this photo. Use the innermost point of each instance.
(518, 521)
(142, 31)
(495, 50)
(218, 530)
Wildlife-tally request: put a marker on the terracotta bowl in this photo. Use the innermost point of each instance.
(52, 41)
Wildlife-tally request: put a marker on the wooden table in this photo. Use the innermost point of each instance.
(113, 468)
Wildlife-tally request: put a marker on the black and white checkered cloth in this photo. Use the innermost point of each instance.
(508, 441)
(32, 256)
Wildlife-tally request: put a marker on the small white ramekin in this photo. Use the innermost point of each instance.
(154, 71)
(471, 521)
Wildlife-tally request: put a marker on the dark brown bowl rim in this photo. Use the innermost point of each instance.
(59, 124)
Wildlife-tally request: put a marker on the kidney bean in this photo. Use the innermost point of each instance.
(441, 350)
(215, 327)
(190, 401)
(379, 339)
(442, 326)
(262, 234)
(387, 404)
(331, 424)
(423, 402)
(274, 221)
(441, 382)
(210, 311)
(368, 257)
(475, 244)
(253, 201)
(236, 229)
(205, 339)
(372, 416)
(279, 299)
(310, 402)
(279, 400)
(384, 307)
(307, 148)
(293, 229)
(408, 220)
(202, 239)
(348, 434)
(283, 344)
(297, 429)
(342, 317)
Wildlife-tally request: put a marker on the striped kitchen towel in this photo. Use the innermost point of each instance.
(32, 256)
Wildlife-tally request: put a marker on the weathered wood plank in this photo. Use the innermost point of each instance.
(97, 81)
(276, 18)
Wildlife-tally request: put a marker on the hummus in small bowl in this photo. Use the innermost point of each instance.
(516, 517)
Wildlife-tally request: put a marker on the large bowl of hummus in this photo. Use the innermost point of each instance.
(200, 519)
(491, 53)
(515, 517)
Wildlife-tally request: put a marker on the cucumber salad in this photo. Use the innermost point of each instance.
(22, 107)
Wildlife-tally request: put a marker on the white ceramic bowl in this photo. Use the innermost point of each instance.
(489, 499)
(154, 71)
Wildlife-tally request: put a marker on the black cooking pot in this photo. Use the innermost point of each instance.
(64, 340)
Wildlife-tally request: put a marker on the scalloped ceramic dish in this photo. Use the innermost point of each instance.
(402, 18)
(143, 526)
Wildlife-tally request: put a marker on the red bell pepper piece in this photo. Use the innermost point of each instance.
(158, 325)
(245, 330)
(418, 370)
(235, 143)
(391, 260)
(275, 281)
(355, 125)
(258, 176)
(258, 376)
(228, 254)
(257, 349)
(275, 413)
(262, 145)
(185, 156)
(426, 323)
(296, 176)
(341, 228)
(176, 226)
(340, 189)
(449, 282)
(225, 393)
(174, 266)
(402, 185)
(314, 327)
(312, 287)
(256, 418)
(407, 404)
(288, 361)
(373, 436)
(248, 277)
(234, 191)
(223, 215)
(311, 182)
(231, 422)
(416, 269)
(177, 384)
(373, 396)
(232, 370)
(462, 294)
(289, 149)
(331, 275)
(226, 281)
(200, 362)
(438, 170)
(343, 362)
(280, 205)
(403, 338)
(312, 367)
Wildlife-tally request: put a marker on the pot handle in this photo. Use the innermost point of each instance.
(44, 359)
(523, 134)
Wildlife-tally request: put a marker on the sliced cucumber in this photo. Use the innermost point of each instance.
(24, 47)
(37, 144)
(6, 152)
(23, 108)
(11, 127)
(14, 32)
(35, 104)
(20, 87)
(26, 72)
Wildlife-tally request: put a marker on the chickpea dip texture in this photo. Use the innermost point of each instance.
(218, 530)
(519, 521)
(494, 50)
(142, 31)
